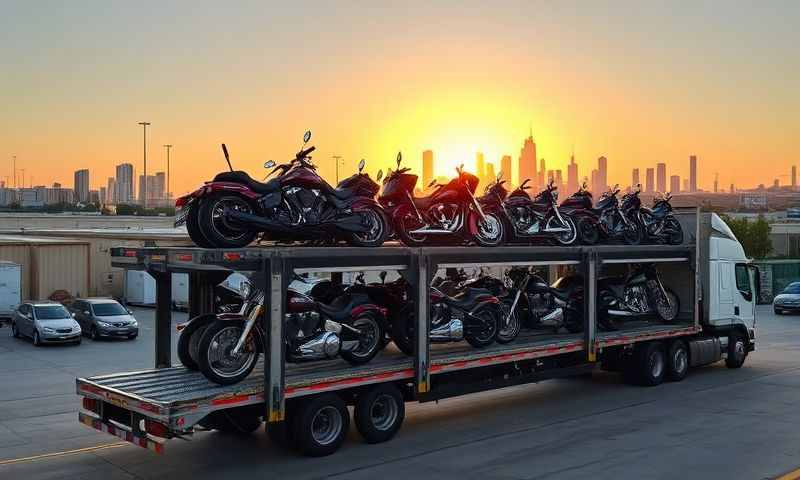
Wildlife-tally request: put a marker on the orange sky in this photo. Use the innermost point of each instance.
(638, 84)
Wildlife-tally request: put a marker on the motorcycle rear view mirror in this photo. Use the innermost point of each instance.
(432, 183)
(379, 175)
(499, 175)
(399, 159)
(361, 165)
(307, 136)
(269, 164)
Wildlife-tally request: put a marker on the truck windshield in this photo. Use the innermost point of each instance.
(108, 309)
(793, 288)
(51, 312)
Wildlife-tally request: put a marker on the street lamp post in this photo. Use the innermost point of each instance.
(337, 159)
(168, 147)
(144, 150)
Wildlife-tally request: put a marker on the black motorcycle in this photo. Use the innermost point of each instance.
(541, 305)
(580, 206)
(659, 223)
(537, 218)
(639, 294)
(618, 221)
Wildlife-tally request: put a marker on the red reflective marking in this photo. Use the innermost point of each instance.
(232, 256)
(130, 253)
(230, 400)
(184, 257)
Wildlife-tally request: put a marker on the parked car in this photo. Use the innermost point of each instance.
(45, 322)
(104, 318)
(788, 300)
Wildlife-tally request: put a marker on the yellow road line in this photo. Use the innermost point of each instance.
(793, 475)
(63, 454)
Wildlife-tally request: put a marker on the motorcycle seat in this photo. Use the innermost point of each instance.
(243, 178)
(339, 193)
(562, 293)
(467, 298)
(423, 203)
(340, 308)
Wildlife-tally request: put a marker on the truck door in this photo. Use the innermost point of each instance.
(725, 290)
(744, 299)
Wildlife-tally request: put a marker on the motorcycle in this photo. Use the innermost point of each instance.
(659, 223)
(618, 221)
(641, 293)
(537, 218)
(233, 209)
(546, 306)
(580, 206)
(350, 327)
(451, 212)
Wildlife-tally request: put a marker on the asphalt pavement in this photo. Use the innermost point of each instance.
(717, 423)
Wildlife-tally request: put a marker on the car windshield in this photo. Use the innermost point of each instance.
(108, 309)
(51, 312)
(793, 288)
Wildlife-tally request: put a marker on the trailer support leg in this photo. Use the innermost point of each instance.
(201, 294)
(274, 356)
(422, 355)
(163, 326)
(590, 306)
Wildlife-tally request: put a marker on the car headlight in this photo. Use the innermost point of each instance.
(48, 330)
(134, 323)
(103, 324)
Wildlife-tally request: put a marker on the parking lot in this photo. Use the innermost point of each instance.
(576, 428)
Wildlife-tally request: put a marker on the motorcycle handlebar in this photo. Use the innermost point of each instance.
(304, 153)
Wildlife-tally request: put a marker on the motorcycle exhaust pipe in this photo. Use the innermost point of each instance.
(623, 313)
(431, 231)
(452, 331)
(251, 221)
(554, 318)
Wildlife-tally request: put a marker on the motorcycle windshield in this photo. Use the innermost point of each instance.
(398, 185)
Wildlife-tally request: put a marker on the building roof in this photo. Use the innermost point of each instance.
(174, 234)
(37, 240)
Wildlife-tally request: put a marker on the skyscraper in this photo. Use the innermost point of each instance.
(661, 177)
(110, 191)
(490, 175)
(427, 167)
(160, 190)
(542, 170)
(480, 167)
(123, 188)
(572, 176)
(103, 194)
(794, 177)
(648, 180)
(505, 168)
(692, 173)
(594, 183)
(685, 184)
(602, 173)
(559, 180)
(674, 184)
(82, 186)
(635, 178)
(527, 162)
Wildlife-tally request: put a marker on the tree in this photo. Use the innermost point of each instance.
(754, 236)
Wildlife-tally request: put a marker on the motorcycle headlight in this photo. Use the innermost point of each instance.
(244, 289)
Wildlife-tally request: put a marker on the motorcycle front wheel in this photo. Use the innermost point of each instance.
(668, 311)
(217, 228)
(510, 323)
(568, 237)
(490, 233)
(215, 359)
(587, 231)
(406, 221)
(633, 233)
(378, 228)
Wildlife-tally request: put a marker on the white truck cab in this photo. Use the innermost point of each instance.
(730, 284)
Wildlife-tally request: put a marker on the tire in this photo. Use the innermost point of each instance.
(491, 233)
(320, 425)
(587, 231)
(402, 331)
(647, 366)
(193, 226)
(677, 361)
(379, 413)
(778, 311)
(375, 333)
(93, 333)
(568, 238)
(737, 350)
(669, 316)
(508, 332)
(219, 233)
(233, 421)
(77, 342)
(379, 231)
(483, 337)
(216, 339)
(405, 219)
(14, 331)
(36, 340)
(633, 236)
(676, 237)
(132, 337)
(189, 340)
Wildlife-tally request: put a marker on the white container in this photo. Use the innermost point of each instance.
(140, 288)
(10, 287)
(180, 290)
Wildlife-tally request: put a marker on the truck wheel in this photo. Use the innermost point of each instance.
(232, 421)
(737, 350)
(379, 413)
(320, 425)
(189, 341)
(647, 366)
(677, 361)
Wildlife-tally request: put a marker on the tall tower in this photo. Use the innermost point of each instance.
(480, 168)
(648, 180)
(794, 177)
(661, 177)
(527, 161)
(82, 185)
(693, 173)
(505, 168)
(602, 173)
(674, 184)
(542, 170)
(572, 176)
(123, 192)
(635, 178)
(427, 167)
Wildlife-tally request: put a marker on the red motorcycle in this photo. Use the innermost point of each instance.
(231, 210)
(451, 212)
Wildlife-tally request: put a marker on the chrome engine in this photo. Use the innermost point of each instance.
(636, 299)
(446, 325)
